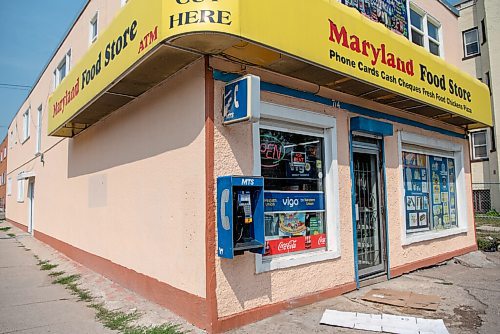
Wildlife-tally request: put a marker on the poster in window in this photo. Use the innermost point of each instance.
(413, 219)
(292, 167)
(422, 219)
(410, 203)
(271, 225)
(424, 187)
(443, 177)
(416, 190)
(452, 192)
(391, 13)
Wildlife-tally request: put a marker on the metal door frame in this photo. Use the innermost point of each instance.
(378, 151)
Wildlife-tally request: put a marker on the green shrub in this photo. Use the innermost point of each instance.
(487, 244)
(493, 213)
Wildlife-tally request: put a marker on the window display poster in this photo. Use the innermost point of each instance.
(294, 200)
(291, 156)
(452, 192)
(293, 232)
(444, 192)
(416, 190)
(391, 13)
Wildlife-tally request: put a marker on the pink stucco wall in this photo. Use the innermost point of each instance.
(239, 288)
(131, 188)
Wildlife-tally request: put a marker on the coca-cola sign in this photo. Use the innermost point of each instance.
(319, 240)
(296, 244)
(287, 246)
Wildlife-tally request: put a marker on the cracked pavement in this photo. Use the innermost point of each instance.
(469, 291)
(30, 303)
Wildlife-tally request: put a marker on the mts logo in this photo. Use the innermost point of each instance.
(290, 202)
(247, 182)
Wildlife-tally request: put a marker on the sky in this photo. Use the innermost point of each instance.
(31, 30)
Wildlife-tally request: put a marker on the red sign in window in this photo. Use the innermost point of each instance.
(296, 244)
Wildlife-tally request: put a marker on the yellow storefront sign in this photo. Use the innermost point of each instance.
(321, 32)
(134, 32)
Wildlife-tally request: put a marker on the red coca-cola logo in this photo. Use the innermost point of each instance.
(287, 246)
(321, 241)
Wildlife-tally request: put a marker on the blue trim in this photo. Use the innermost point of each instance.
(353, 207)
(278, 89)
(224, 76)
(269, 87)
(386, 215)
(376, 114)
(353, 199)
(369, 125)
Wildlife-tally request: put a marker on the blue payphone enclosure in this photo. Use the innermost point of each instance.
(227, 186)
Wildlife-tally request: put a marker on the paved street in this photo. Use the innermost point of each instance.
(30, 303)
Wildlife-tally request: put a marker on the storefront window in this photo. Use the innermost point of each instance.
(430, 192)
(293, 170)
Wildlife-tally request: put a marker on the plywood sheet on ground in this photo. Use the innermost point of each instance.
(403, 299)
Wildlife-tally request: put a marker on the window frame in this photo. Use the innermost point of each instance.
(26, 125)
(66, 60)
(94, 21)
(429, 146)
(279, 118)
(9, 186)
(464, 45)
(38, 146)
(473, 145)
(20, 190)
(426, 18)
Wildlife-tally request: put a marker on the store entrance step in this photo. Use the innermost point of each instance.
(382, 277)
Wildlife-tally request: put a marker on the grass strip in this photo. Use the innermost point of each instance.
(48, 266)
(65, 280)
(161, 329)
(5, 229)
(112, 319)
(115, 319)
(56, 273)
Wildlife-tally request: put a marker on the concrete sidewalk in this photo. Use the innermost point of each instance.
(469, 287)
(30, 303)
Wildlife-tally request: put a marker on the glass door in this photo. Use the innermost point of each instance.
(369, 208)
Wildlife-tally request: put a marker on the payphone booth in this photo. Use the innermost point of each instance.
(240, 215)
